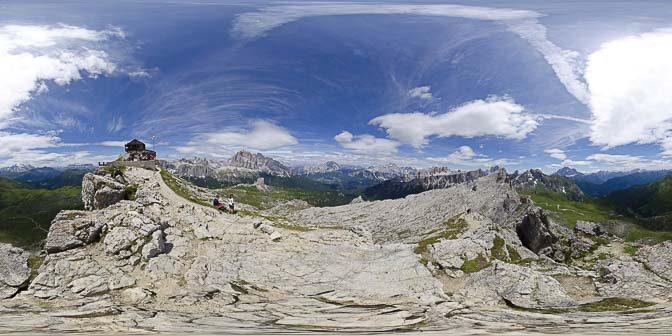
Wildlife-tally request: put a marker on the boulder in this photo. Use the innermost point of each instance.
(535, 233)
(72, 229)
(99, 192)
(155, 246)
(118, 239)
(516, 285)
(136, 295)
(276, 236)
(451, 254)
(14, 271)
(589, 228)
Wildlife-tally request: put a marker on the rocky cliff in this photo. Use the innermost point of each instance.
(259, 162)
(436, 178)
(455, 258)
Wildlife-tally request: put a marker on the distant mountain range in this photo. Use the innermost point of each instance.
(535, 178)
(46, 177)
(649, 200)
(246, 167)
(602, 183)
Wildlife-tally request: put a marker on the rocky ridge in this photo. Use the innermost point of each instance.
(453, 258)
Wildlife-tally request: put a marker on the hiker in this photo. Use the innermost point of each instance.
(217, 204)
(231, 204)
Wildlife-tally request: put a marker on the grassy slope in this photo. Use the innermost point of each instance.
(26, 213)
(595, 210)
(649, 200)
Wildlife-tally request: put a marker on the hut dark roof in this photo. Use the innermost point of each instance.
(134, 146)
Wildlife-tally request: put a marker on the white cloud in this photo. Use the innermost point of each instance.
(667, 147)
(112, 143)
(466, 156)
(421, 92)
(614, 158)
(630, 90)
(115, 124)
(572, 163)
(565, 63)
(38, 150)
(524, 23)
(556, 153)
(263, 135)
(366, 143)
(32, 55)
(495, 116)
(628, 162)
(14, 144)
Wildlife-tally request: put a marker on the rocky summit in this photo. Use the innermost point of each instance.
(476, 257)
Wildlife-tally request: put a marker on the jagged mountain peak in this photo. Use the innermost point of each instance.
(258, 161)
(568, 172)
(17, 168)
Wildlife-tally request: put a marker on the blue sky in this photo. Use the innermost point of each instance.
(472, 84)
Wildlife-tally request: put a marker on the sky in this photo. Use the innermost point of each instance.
(465, 84)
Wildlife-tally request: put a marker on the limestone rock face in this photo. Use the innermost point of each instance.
(259, 162)
(622, 278)
(14, 271)
(410, 219)
(658, 259)
(535, 233)
(99, 192)
(521, 286)
(72, 229)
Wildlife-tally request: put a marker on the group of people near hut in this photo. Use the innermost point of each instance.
(228, 207)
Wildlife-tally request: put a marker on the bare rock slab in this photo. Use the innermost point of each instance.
(14, 271)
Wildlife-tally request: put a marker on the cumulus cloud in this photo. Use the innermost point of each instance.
(556, 153)
(31, 55)
(263, 135)
(366, 143)
(630, 90)
(466, 156)
(495, 116)
(524, 23)
(421, 92)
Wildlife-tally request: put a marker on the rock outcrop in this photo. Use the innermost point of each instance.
(658, 259)
(72, 229)
(14, 271)
(589, 228)
(518, 286)
(535, 233)
(408, 185)
(259, 162)
(99, 192)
